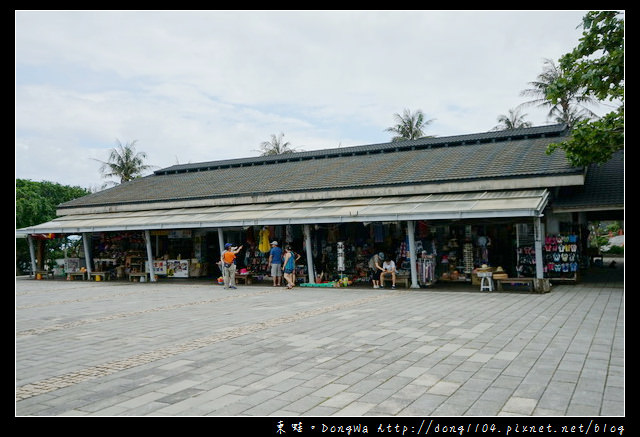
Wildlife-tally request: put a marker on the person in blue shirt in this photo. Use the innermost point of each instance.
(275, 260)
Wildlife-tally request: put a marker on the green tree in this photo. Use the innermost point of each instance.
(569, 108)
(597, 66)
(124, 163)
(515, 120)
(36, 203)
(277, 146)
(409, 126)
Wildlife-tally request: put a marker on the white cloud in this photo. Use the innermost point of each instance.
(194, 86)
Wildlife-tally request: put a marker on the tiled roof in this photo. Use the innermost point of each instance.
(603, 187)
(491, 155)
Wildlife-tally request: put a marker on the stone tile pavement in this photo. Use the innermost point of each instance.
(191, 348)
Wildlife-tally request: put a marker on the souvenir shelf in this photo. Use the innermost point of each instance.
(258, 262)
(525, 251)
(562, 257)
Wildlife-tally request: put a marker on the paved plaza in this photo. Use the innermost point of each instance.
(192, 348)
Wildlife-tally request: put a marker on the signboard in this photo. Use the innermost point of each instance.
(72, 265)
(178, 268)
(160, 267)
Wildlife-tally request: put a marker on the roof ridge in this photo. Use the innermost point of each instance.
(425, 142)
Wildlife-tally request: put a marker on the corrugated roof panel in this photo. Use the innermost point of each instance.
(436, 206)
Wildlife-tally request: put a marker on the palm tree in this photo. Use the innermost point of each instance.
(570, 107)
(409, 126)
(514, 120)
(124, 162)
(277, 146)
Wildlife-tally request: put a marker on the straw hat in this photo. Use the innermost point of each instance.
(499, 270)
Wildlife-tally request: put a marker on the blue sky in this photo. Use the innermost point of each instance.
(192, 86)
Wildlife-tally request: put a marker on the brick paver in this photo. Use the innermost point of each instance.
(193, 348)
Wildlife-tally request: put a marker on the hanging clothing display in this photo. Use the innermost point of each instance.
(423, 229)
(378, 232)
(264, 245)
(332, 234)
(426, 269)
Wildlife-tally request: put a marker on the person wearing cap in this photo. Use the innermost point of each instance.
(275, 260)
(228, 263)
(375, 267)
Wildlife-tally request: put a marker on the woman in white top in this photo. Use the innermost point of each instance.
(388, 267)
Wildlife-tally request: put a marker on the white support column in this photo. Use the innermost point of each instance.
(221, 240)
(310, 268)
(147, 240)
(537, 233)
(87, 252)
(32, 253)
(411, 229)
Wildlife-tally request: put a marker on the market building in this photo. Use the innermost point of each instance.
(443, 208)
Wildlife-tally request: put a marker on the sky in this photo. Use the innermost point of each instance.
(197, 86)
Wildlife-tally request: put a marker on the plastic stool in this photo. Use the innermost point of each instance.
(486, 283)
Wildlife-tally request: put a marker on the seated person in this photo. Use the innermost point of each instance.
(388, 267)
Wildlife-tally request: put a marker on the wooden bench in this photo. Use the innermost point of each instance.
(138, 275)
(72, 275)
(247, 278)
(528, 282)
(400, 279)
(104, 276)
(44, 274)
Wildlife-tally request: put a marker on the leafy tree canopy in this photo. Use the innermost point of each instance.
(124, 163)
(36, 202)
(515, 120)
(409, 126)
(277, 146)
(597, 65)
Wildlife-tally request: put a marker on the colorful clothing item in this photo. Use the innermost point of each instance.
(290, 264)
(264, 245)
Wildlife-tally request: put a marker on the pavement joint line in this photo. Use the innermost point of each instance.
(56, 382)
(74, 324)
(82, 299)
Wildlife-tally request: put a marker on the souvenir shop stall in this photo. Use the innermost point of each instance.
(562, 253)
(253, 258)
(455, 252)
(449, 252)
(122, 255)
(341, 252)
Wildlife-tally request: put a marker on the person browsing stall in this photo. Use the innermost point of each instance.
(275, 260)
(289, 267)
(228, 262)
(375, 268)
